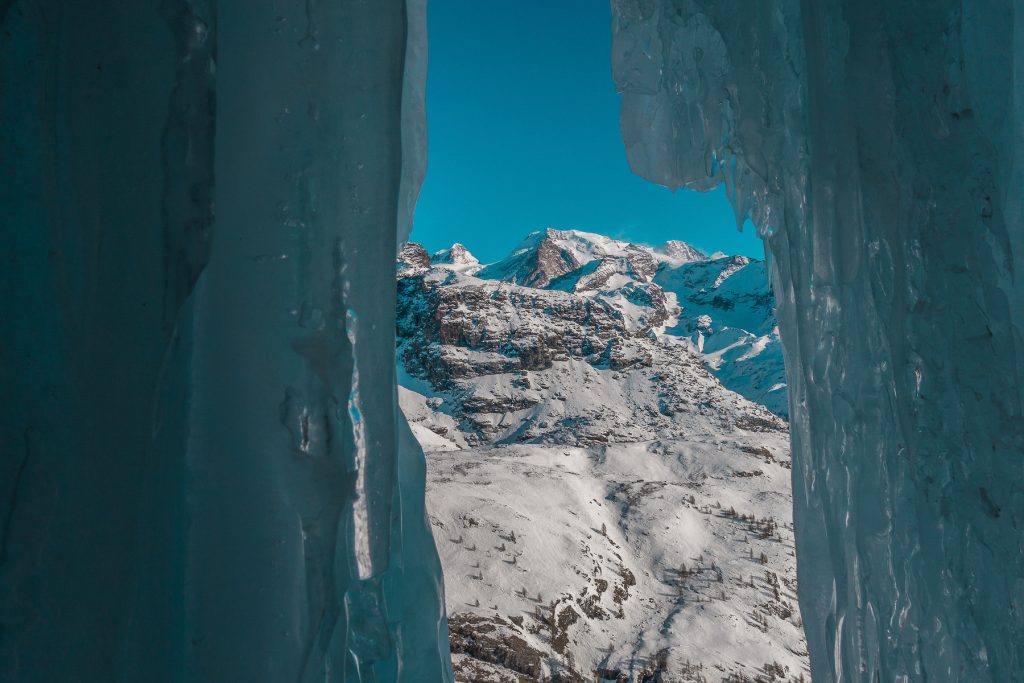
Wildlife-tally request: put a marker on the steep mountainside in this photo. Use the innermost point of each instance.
(602, 503)
(722, 305)
(727, 311)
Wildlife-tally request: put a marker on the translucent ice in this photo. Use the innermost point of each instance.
(878, 148)
(203, 472)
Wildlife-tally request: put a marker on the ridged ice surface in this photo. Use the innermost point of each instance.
(203, 472)
(878, 147)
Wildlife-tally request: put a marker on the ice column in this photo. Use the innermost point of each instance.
(878, 148)
(203, 472)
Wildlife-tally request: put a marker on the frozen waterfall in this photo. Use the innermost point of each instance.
(877, 146)
(203, 472)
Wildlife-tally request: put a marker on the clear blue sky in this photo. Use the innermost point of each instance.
(523, 124)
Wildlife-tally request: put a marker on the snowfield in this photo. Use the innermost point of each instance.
(626, 558)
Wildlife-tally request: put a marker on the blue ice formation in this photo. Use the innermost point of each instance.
(878, 147)
(200, 204)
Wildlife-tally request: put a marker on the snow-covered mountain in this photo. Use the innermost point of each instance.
(727, 311)
(547, 255)
(603, 505)
(457, 258)
(721, 304)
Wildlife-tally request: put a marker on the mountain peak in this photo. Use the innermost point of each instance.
(680, 252)
(457, 258)
(412, 257)
(456, 254)
(546, 255)
(536, 261)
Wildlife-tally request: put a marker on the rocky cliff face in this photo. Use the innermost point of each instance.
(412, 259)
(517, 364)
(660, 317)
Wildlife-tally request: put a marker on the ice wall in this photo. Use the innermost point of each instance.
(878, 148)
(203, 473)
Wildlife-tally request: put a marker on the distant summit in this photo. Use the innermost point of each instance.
(456, 257)
(539, 259)
(680, 252)
(547, 255)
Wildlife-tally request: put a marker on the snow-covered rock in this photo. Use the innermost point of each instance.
(727, 311)
(412, 259)
(669, 289)
(457, 258)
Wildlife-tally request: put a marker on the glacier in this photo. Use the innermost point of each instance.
(204, 474)
(877, 148)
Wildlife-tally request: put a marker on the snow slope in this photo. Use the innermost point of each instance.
(629, 557)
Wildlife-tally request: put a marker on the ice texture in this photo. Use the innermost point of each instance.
(203, 472)
(877, 146)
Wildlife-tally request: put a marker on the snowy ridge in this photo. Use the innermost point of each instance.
(601, 502)
(721, 304)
